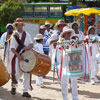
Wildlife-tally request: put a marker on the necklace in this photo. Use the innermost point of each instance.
(9, 38)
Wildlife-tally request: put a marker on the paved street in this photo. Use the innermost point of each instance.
(51, 91)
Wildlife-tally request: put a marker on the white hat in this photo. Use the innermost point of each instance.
(38, 37)
(90, 27)
(67, 29)
(9, 24)
(47, 23)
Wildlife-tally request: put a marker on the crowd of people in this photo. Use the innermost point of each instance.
(51, 42)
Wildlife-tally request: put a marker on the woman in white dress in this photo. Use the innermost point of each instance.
(93, 49)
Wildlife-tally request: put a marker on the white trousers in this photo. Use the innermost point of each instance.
(94, 68)
(39, 80)
(26, 78)
(64, 86)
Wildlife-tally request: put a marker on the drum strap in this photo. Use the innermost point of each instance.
(14, 58)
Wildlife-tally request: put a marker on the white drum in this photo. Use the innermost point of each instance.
(35, 63)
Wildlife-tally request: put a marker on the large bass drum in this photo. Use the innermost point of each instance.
(4, 76)
(35, 63)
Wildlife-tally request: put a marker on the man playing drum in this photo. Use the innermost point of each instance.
(21, 41)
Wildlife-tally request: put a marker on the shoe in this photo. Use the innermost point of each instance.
(92, 82)
(26, 94)
(96, 80)
(13, 91)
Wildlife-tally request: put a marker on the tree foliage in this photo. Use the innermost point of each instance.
(3, 1)
(29, 1)
(9, 11)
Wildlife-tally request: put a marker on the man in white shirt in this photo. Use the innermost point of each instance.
(52, 41)
(5, 41)
(45, 38)
(79, 34)
(64, 65)
(48, 31)
(21, 40)
(6, 35)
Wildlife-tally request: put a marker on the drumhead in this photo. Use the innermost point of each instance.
(29, 61)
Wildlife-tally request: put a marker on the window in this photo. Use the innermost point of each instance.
(56, 11)
(28, 11)
(40, 11)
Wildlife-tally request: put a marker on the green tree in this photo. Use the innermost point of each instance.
(3, 0)
(9, 11)
(29, 1)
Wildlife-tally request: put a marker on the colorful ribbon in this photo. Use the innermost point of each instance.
(10, 37)
(61, 66)
(86, 57)
(91, 50)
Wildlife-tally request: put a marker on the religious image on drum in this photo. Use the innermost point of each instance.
(75, 63)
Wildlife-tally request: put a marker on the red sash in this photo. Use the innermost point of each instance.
(19, 48)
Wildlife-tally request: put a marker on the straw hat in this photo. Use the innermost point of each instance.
(38, 37)
(60, 22)
(67, 29)
(47, 23)
(90, 27)
(19, 21)
(9, 24)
